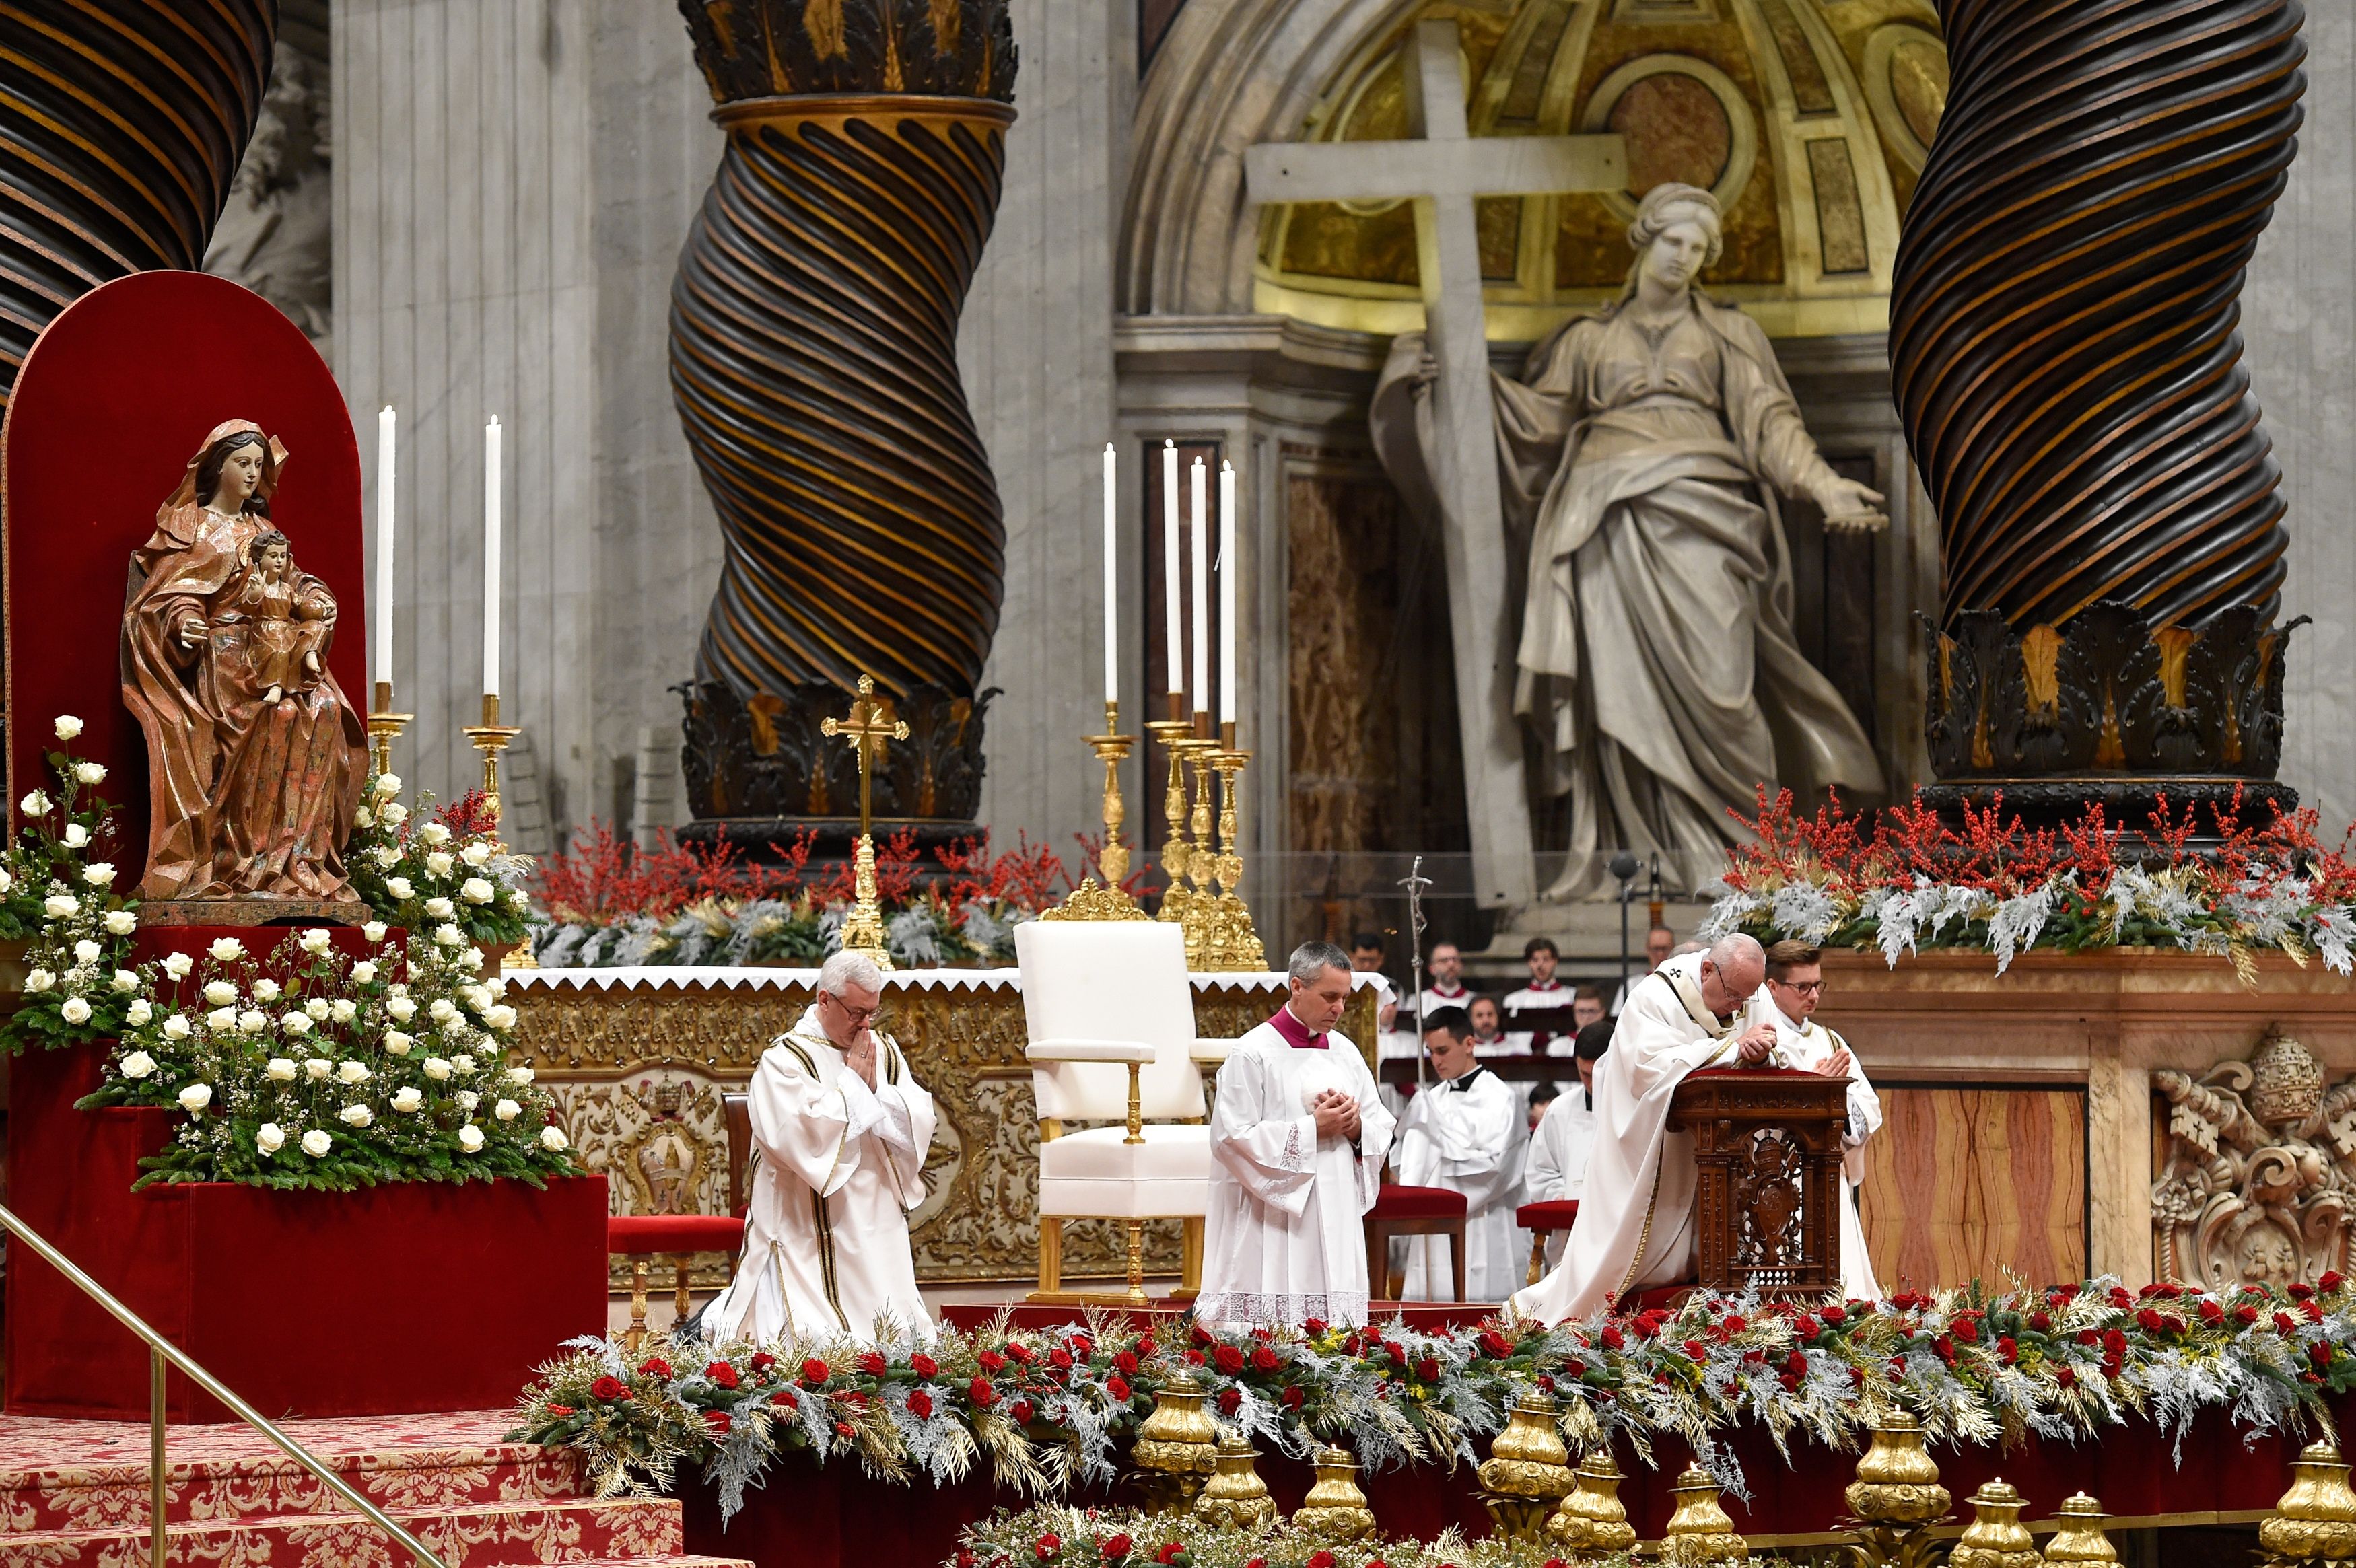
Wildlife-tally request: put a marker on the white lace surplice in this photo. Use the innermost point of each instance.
(1556, 1168)
(1282, 1242)
(1466, 1140)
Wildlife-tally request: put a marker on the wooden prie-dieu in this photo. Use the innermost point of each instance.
(1767, 1212)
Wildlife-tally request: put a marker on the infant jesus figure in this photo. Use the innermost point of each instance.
(289, 627)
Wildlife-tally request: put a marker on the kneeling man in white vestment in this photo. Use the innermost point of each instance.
(840, 1131)
(1794, 989)
(1555, 1169)
(1463, 1133)
(1297, 1146)
(1635, 1225)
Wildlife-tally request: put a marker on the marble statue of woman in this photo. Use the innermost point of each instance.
(1640, 460)
(254, 774)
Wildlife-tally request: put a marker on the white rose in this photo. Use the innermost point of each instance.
(126, 982)
(387, 785)
(269, 1138)
(518, 899)
(463, 1062)
(442, 1010)
(75, 835)
(140, 1013)
(402, 1008)
(343, 1009)
(35, 805)
(364, 818)
(177, 964)
(353, 1072)
(475, 891)
(316, 1142)
(373, 932)
(6, 881)
(385, 856)
(318, 1067)
(39, 981)
(221, 1019)
(440, 864)
(265, 989)
(318, 1008)
(400, 888)
(296, 1024)
(551, 1139)
(253, 1021)
(397, 1042)
(59, 906)
(75, 1010)
(436, 1069)
(470, 1138)
(507, 1110)
(355, 1116)
(66, 726)
(395, 814)
(440, 907)
(220, 993)
(472, 958)
(500, 1016)
(119, 921)
(280, 1070)
(363, 972)
(317, 940)
(434, 834)
(99, 873)
(138, 1065)
(195, 1097)
(450, 936)
(476, 854)
(467, 1099)
(408, 1100)
(520, 1076)
(175, 1027)
(477, 996)
(227, 950)
(86, 951)
(91, 772)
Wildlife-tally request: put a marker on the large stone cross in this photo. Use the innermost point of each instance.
(1443, 171)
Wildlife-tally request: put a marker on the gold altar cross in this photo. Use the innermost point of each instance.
(869, 727)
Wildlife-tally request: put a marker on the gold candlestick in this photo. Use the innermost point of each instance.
(1108, 900)
(384, 728)
(1240, 939)
(868, 727)
(1175, 733)
(490, 738)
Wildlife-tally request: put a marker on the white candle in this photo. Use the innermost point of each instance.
(1111, 581)
(1202, 557)
(380, 654)
(1175, 660)
(492, 557)
(1226, 593)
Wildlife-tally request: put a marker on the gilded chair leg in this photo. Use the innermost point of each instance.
(1051, 1255)
(1538, 1257)
(682, 1303)
(1137, 1296)
(637, 1331)
(1190, 1256)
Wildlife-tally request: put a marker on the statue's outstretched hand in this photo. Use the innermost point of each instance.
(1850, 507)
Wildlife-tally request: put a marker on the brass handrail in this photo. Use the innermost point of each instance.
(161, 1350)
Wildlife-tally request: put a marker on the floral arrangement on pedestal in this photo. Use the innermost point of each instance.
(612, 903)
(449, 870)
(1903, 880)
(1052, 1536)
(57, 897)
(1050, 1409)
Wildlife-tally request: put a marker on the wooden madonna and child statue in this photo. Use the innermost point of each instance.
(256, 760)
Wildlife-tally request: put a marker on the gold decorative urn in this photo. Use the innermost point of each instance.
(1177, 1446)
(1897, 1480)
(2080, 1538)
(1335, 1510)
(1996, 1538)
(1591, 1523)
(1699, 1533)
(1235, 1498)
(1528, 1470)
(2315, 1520)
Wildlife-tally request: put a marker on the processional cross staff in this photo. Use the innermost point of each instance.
(1443, 171)
(869, 726)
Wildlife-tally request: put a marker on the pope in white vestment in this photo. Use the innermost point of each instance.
(1635, 1225)
(839, 1166)
(1282, 1242)
(1808, 1046)
(1464, 1133)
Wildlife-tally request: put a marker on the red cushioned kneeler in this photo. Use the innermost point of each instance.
(1393, 1202)
(419, 1296)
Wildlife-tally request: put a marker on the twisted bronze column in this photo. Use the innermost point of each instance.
(123, 123)
(2064, 353)
(814, 365)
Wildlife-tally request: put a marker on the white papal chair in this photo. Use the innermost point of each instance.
(1110, 1016)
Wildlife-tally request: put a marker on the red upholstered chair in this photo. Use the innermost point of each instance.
(679, 1237)
(1543, 1219)
(1415, 1212)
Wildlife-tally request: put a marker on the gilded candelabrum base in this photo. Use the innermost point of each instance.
(1699, 1533)
(490, 738)
(1996, 1538)
(1335, 1510)
(384, 727)
(863, 928)
(1106, 900)
(2079, 1537)
(2315, 1520)
(1232, 941)
(1235, 1498)
(1176, 734)
(1591, 1522)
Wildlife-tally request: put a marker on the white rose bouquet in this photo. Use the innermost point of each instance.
(58, 896)
(424, 869)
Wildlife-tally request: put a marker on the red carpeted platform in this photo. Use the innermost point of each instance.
(75, 1493)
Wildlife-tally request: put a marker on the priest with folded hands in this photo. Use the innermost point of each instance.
(1297, 1143)
(840, 1131)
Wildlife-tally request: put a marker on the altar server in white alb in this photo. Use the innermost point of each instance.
(1297, 1143)
(840, 1131)
(1464, 1133)
(1555, 1169)
(1794, 989)
(1635, 1225)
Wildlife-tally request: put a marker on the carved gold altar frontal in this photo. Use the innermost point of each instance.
(637, 1061)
